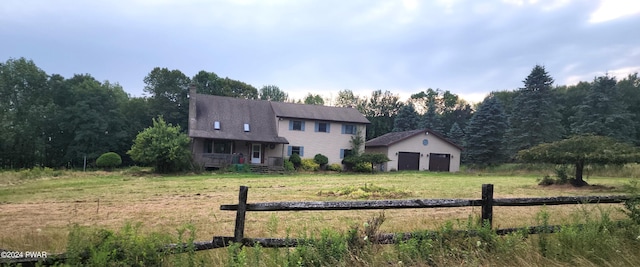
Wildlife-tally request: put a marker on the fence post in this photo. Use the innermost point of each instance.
(238, 233)
(487, 204)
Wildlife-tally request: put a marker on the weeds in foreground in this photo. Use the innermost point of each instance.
(368, 191)
(128, 247)
(465, 243)
(591, 238)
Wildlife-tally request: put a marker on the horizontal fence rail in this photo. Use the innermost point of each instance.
(356, 205)
(487, 202)
(420, 203)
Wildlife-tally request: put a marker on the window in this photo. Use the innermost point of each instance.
(216, 125)
(345, 153)
(295, 150)
(296, 125)
(348, 129)
(222, 147)
(322, 127)
(207, 146)
(246, 127)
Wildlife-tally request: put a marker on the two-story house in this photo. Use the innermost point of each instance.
(226, 130)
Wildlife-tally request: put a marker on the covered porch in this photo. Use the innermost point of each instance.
(221, 153)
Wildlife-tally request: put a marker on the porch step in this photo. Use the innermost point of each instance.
(267, 169)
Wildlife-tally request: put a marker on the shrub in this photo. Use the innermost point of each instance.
(335, 167)
(321, 159)
(296, 160)
(546, 180)
(37, 172)
(309, 165)
(357, 162)
(109, 160)
(288, 166)
(163, 146)
(362, 167)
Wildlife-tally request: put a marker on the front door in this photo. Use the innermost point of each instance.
(256, 153)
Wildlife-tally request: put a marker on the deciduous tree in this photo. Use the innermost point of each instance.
(381, 109)
(273, 93)
(163, 146)
(26, 107)
(312, 99)
(581, 151)
(168, 91)
(91, 122)
(346, 98)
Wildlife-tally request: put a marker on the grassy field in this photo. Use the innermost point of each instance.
(38, 209)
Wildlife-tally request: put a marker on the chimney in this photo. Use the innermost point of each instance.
(192, 107)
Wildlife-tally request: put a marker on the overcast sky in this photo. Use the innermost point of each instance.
(467, 47)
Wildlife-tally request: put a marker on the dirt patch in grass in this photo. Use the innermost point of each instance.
(368, 191)
(571, 188)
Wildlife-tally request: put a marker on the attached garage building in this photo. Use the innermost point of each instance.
(416, 150)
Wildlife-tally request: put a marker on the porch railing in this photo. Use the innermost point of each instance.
(216, 159)
(219, 160)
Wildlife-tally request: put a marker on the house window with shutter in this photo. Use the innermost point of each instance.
(295, 150)
(295, 125)
(323, 127)
(348, 129)
(345, 153)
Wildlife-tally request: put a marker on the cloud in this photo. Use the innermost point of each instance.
(614, 9)
(467, 47)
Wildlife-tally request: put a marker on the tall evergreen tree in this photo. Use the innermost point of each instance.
(568, 99)
(407, 119)
(534, 118)
(629, 88)
(484, 135)
(604, 113)
(431, 119)
(456, 134)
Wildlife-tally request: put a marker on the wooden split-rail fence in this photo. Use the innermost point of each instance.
(486, 202)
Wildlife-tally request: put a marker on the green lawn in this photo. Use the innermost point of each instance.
(37, 212)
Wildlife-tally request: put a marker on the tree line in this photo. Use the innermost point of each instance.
(53, 121)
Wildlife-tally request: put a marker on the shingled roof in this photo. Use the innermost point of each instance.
(318, 112)
(233, 113)
(395, 137)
